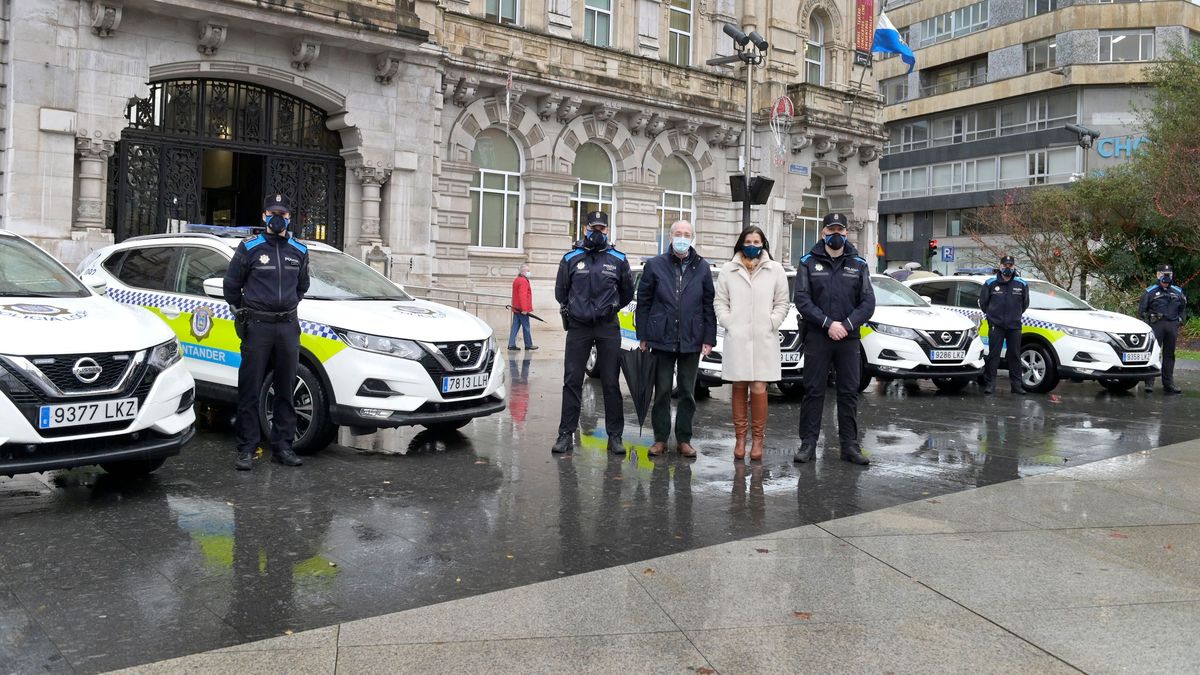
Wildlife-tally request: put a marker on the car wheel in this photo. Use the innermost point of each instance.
(314, 429)
(590, 368)
(951, 385)
(134, 467)
(1039, 373)
(792, 390)
(864, 380)
(1118, 386)
(447, 427)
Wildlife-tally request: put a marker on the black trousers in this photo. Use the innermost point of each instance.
(268, 345)
(997, 337)
(665, 365)
(1165, 333)
(607, 339)
(821, 352)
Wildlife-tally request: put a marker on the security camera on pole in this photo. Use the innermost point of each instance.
(751, 50)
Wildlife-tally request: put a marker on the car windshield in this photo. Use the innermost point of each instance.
(337, 276)
(892, 293)
(1043, 295)
(27, 271)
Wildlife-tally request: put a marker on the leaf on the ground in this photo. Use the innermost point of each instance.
(387, 482)
(1118, 535)
(287, 632)
(1169, 546)
(924, 493)
(481, 461)
(762, 550)
(705, 671)
(332, 564)
(934, 501)
(648, 571)
(618, 478)
(803, 616)
(509, 556)
(458, 580)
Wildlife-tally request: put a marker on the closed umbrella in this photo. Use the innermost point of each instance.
(638, 367)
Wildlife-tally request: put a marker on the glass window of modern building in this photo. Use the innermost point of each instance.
(1118, 46)
(1040, 55)
(1035, 7)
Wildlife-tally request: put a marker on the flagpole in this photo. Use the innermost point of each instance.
(854, 101)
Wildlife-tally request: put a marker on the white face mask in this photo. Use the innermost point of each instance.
(527, 274)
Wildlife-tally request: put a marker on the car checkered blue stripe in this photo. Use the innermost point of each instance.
(1025, 321)
(220, 310)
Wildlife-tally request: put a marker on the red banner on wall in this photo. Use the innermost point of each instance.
(864, 25)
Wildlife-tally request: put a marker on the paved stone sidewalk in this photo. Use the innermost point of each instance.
(1095, 569)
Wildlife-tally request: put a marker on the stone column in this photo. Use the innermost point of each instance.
(93, 169)
(372, 179)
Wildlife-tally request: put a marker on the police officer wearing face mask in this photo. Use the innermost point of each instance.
(264, 283)
(835, 298)
(594, 282)
(1003, 300)
(1162, 306)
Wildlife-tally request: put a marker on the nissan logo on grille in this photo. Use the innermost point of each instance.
(1135, 340)
(86, 370)
(463, 353)
(946, 337)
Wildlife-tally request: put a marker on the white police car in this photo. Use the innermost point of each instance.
(371, 356)
(1061, 335)
(83, 380)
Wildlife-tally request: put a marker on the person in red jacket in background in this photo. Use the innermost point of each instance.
(522, 305)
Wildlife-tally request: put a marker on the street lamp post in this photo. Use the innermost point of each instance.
(751, 50)
(1085, 137)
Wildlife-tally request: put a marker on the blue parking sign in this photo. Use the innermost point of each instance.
(947, 254)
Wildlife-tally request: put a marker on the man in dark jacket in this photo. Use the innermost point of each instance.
(835, 298)
(594, 283)
(676, 319)
(1003, 299)
(1162, 306)
(264, 283)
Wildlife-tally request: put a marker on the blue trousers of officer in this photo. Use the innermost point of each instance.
(997, 338)
(1166, 332)
(607, 339)
(266, 345)
(821, 352)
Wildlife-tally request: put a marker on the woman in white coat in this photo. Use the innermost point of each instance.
(752, 302)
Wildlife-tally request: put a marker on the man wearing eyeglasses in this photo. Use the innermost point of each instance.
(594, 283)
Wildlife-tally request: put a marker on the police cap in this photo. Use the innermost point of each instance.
(1007, 260)
(833, 220)
(1163, 267)
(277, 203)
(597, 218)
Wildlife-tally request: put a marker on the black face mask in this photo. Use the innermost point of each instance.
(277, 224)
(1007, 273)
(595, 239)
(835, 241)
(1166, 279)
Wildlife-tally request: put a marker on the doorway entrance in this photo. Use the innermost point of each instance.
(208, 151)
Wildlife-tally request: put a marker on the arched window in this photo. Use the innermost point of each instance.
(806, 228)
(594, 191)
(496, 191)
(676, 181)
(814, 52)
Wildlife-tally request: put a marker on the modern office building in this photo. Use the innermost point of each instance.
(983, 114)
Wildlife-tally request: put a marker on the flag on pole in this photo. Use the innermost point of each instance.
(887, 41)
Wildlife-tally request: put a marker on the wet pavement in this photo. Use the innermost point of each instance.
(97, 574)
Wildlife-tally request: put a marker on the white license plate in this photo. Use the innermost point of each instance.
(75, 414)
(790, 357)
(464, 382)
(1135, 357)
(947, 355)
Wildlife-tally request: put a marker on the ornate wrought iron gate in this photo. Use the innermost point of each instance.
(156, 172)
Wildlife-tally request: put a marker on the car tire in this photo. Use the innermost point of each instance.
(951, 385)
(447, 427)
(792, 390)
(1039, 371)
(314, 428)
(590, 368)
(133, 468)
(1118, 386)
(864, 380)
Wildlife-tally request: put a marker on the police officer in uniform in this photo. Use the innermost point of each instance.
(264, 283)
(1162, 306)
(594, 283)
(1003, 299)
(835, 298)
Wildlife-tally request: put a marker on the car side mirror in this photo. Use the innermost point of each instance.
(928, 300)
(214, 288)
(95, 282)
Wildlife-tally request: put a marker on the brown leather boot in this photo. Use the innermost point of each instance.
(758, 424)
(740, 405)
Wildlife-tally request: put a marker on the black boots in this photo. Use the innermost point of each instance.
(853, 454)
(565, 443)
(286, 457)
(805, 453)
(615, 446)
(244, 461)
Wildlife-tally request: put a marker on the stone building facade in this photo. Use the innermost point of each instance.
(445, 142)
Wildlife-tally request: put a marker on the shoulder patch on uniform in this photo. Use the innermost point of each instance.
(860, 259)
(989, 282)
(1023, 282)
(805, 257)
(1177, 289)
(297, 245)
(254, 241)
(573, 253)
(617, 254)
(1151, 287)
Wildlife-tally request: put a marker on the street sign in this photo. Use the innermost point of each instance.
(798, 169)
(947, 254)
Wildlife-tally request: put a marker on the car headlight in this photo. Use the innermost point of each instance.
(1085, 334)
(492, 342)
(166, 355)
(894, 331)
(405, 349)
(973, 332)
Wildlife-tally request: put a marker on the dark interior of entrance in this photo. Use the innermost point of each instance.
(231, 187)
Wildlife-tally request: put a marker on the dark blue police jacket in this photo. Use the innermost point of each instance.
(830, 290)
(1168, 302)
(593, 285)
(268, 273)
(1003, 302)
